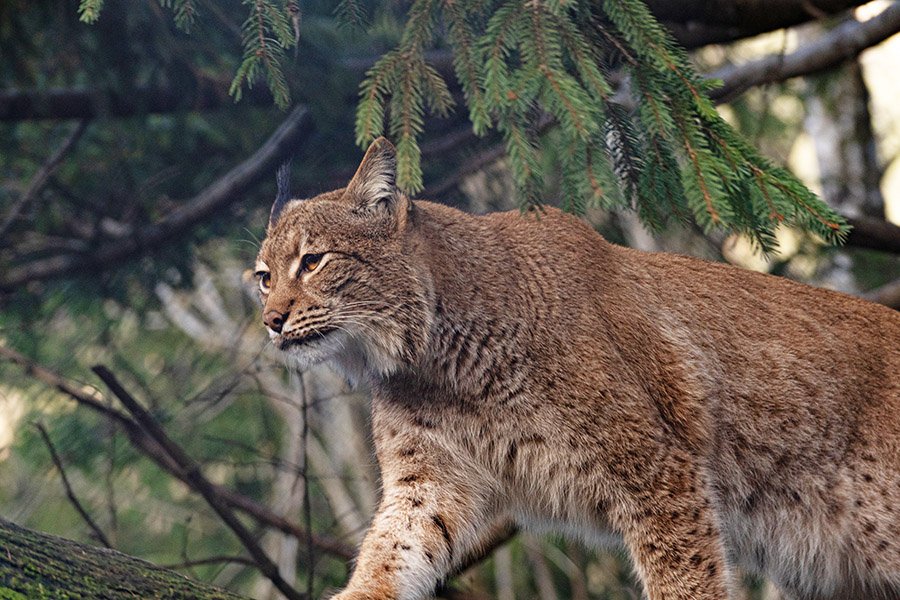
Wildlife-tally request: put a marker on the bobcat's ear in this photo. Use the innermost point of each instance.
(374, 185)
(283, 196)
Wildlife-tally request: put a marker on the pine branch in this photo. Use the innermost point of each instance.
(89, 10)
(351, 14)
(267, 33)
(467, 64)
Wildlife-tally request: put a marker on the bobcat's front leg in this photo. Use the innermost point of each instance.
(669, 526)
(432, 515)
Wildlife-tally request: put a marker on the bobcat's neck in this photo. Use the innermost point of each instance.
(493, 301)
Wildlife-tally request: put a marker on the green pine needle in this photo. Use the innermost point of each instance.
(89, 10)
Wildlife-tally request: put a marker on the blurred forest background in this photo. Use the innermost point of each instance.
(134, 191)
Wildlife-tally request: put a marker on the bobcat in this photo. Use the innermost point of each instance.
(525, 369)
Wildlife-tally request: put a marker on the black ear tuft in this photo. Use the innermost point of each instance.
(375, 181)
(283, 195)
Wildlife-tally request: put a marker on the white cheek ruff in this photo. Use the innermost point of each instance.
(318, 350)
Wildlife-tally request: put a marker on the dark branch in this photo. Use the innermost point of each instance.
(220, 194)
(70, 493)
(210, 560)
(697, 23)
(80, 103)
(694, 23)
(874, 234)
(41, 177)
(844, 42)
(200, 483)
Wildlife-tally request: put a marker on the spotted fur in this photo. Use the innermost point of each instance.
(524, 369)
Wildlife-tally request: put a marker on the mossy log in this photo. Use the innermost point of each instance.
(39, 566)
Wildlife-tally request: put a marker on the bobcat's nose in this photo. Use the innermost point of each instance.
(274, 320)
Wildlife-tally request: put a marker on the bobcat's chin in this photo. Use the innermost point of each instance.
(311, 349)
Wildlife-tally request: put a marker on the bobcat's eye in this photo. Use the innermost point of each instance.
(265, 281)
(310, 262)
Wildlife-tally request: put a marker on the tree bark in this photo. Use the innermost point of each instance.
(37, 565)
(697, 23)
(838, 120)
(844, 42)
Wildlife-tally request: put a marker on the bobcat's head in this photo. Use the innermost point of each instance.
(336, 274)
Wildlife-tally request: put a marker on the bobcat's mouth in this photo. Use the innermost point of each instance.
(289, 342)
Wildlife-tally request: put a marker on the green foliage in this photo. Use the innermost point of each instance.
(578, 128)
(658, 137)
(266, 34)
(351, 14)
(89, 10)
(184, 11)
(412, 84)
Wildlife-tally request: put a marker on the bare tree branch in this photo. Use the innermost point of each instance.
(210, 560)
(874, 234)
(40, 178)
(90, 103)
(218, 195)
(152, 450)
(697, 23)
(844, 42)
(70, 493)
(199, 482)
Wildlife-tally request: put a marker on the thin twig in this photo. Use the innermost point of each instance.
(199, 482)
(70, 493)
(210, 560)
(40, 178)
(307, 509)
